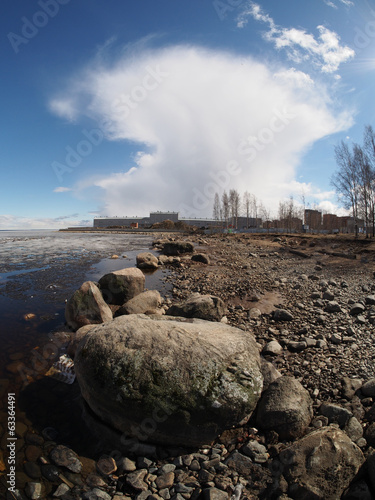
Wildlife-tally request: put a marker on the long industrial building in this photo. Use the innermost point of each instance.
(156, 217)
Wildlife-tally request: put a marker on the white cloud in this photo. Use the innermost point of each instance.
(325, 52)
(63, 108)
(332, 4)
(213, 121)
(62, 189)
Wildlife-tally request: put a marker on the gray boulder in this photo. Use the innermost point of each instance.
(356, 309)
(169, 380)
(321, 465)
(177, 247)
(142, 303)
(206, 307)
(200, 257)
(120, 286)
(147, 260)
(286, 408)
(87, 306)
(368, 388)
(282, 315)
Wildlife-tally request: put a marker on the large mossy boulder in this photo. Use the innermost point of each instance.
(87, 306)
(172, 381)
(120, 286)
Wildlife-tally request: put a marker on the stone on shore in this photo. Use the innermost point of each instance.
(147, 260)
(321, 465)
(120, 286)
(207, 307)
(194, 378)
(286, 408)
(87, 306)
(177, 247)
(200, 257)
(145, 302)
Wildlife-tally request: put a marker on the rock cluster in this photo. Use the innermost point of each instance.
(311, 432)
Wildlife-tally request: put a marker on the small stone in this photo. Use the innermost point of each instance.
(368, 389)
(297, 345)
(32, 453)
(167, 468)
(327, 295)
(370, 300)
(165, 480)
(95, 481)
(126, 465)
(239, 463)
(106, 466)
(136, 480)
(61, 490)
(354, 429)
(165, 494)
(255, 313)
(21, 429)
(194, 466)
(370, 435)
(256, 451)
(356, 309)
(333, 307)
(336, 339)
(50, 472)
(32, 470)
(214, 494)
(34, 491)
(96, 494)
(335, 413)
(273, 348)
(144, 463)
(282, 315)
(65, 457)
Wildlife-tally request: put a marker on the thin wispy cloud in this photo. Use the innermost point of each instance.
(325, 51)
(335, 5)
(210, 111)
(62, 189)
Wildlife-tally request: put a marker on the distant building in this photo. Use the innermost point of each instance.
(331, 223)
(313, 219)
(153, 218)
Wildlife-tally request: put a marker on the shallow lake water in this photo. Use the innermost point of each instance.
(40, 270)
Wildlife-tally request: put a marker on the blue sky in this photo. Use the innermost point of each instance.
(122, 107)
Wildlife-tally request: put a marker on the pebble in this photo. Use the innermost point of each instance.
(32, 469)
(106, 465)
(136, 480)
(34, 491)
(65, 457)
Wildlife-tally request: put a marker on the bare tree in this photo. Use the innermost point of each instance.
(247, 205)
(346, 180)
(217, 208)
(234, 203)
(225, 208)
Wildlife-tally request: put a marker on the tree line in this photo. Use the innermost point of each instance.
(354, 181)
(230, 206)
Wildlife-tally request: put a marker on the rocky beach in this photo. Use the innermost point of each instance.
(254, 378)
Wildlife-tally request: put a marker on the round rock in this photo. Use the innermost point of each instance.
(286, 408)
(65, 457)
(176, 381)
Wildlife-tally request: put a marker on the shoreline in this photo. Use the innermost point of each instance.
(261, 272)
